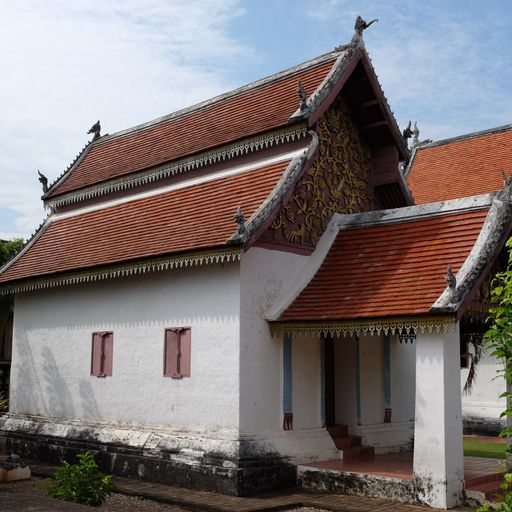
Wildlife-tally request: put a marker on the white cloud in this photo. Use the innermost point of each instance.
(445, 66)
(67, 64)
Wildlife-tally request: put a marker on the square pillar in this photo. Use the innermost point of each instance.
(438, 451)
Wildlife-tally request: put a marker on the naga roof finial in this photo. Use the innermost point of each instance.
(360, 26)
(302, 95)
(95, 129)
(507, 180)
(43, 180)
(240, 220)
(407, 133)
(415, 135)
(451, 283)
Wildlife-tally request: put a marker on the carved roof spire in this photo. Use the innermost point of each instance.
(95, 129)
(507, 180)
(240, 220)
(360, 26)
(407, 133)
(43, 180)
(415, 135)
(302, 95)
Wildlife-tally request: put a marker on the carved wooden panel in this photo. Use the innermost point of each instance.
(337, 182)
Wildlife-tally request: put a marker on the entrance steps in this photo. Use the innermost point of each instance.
(350, 445)
(485, 487)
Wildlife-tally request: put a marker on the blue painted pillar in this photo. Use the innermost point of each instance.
(358, 382)
(322, 380)
(287, 382)
(387, 380)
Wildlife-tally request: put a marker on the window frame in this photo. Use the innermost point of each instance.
(102, 371)
(181, 371)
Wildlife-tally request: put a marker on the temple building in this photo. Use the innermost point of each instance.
(243, 295)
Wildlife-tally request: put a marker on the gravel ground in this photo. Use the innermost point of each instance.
(114, 503)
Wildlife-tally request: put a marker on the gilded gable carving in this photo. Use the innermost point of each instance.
(337, 182)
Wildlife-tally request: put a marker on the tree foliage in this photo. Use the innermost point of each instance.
(8, 250)
(498, 340)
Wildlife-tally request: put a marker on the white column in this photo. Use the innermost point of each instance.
(438, 452)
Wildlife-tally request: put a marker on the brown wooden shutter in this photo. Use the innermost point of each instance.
(102, 353)
(108, 353)
(96, 354)
(185, 352)
(177, 352)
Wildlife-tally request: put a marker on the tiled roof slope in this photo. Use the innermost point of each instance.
(461, 167)
(195, 217)
(387, 270)
(253, 109)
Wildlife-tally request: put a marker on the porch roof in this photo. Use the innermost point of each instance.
(394, 263)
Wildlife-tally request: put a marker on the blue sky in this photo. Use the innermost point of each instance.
(446, 64)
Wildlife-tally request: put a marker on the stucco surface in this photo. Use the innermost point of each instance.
(52, 349)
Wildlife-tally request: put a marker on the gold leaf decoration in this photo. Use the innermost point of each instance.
(337, 182)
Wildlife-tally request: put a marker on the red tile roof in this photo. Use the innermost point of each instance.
(461, 167)
(251, 111)
(387, 270)
(197, 217)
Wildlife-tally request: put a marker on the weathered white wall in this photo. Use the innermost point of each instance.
(403, 379)
(52, 349)
(484, 402)
(371, 370)
(264, 274)
(345, 381)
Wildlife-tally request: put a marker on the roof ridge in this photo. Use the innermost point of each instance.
(414, 212)
(466, 136)
(316, 61)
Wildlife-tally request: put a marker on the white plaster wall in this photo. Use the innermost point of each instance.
(345, 381)
(371, 364)
(484, 401)
(52, 349)
(403, 379)
(306, 382)
(264, 274)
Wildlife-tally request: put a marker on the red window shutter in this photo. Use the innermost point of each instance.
(171, 353)
(96, 354)
(185, 352)
(101, 357)
(177, 352)
(108, 353)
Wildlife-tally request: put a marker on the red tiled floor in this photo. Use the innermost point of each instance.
(399, 465)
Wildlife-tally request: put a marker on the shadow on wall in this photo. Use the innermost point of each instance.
(59, 398)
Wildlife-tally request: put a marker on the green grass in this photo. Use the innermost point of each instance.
(479, 448)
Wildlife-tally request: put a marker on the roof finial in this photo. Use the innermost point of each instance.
(44, 181)
(407, 133)
(415, 135)
(451, 282)
(506, 180)
(361, 25)
(95, 129)
(240, 220)
(302, 95)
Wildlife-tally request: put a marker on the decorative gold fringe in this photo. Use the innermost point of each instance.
(371, 326)
(155, 265)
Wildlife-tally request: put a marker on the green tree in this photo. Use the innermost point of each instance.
(498, 340)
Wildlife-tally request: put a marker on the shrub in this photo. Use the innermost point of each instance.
(80, 483)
